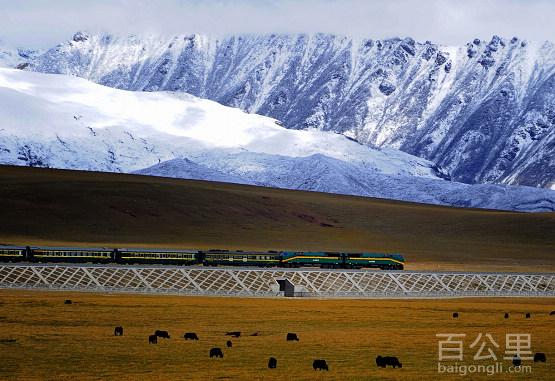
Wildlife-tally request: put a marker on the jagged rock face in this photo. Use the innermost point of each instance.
(484, 111)
(11, 57)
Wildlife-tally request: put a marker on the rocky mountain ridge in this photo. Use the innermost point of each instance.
(485, 111)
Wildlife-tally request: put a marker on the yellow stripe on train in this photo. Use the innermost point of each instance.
(306, 257)
(377, 259)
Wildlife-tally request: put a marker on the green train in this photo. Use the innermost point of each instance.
(214, 257)
(343, 260)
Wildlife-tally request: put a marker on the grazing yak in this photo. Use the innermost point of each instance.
(162, 334)
(552, 313)
(190, 336)
(517, 361)
(292, 337)
(118, 331)
(229, 344)
(272, 363)
(455, 315)
(320, 365)
(68, 301)
(233, 334)
(383, 362)
(506, 315)
(539, 357)
(216, 352)
(528, 315)
(153, 339)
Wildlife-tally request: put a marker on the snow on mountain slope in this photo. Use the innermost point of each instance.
(68, 122)
(8, 57)
(186, 169)
(324, 174)
(484, 111)
(11, 57)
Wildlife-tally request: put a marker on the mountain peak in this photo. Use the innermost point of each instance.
(480, 111)
(80, 37)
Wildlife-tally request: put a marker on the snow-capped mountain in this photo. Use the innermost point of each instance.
(324, 174)
(11, 57)
(67, 122)
(484, 111)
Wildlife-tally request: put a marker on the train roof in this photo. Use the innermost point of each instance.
(382, 255)
(211, 251)
(142, 250)
(71, 248)
(240, 252)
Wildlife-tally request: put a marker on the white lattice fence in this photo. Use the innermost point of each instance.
(263, 282)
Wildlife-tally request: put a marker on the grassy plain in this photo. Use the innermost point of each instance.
(56, 207)
(55, 341)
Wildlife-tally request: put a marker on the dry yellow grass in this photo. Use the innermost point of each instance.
(54, 207)
(76, 342)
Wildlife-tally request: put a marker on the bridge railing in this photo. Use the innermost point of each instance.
(254, 282)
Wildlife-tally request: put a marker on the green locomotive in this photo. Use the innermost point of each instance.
(343, 260)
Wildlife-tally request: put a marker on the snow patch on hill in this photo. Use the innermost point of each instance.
(324, 174)
(63, 121)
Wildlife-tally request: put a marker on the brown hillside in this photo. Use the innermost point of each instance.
(45, 206)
